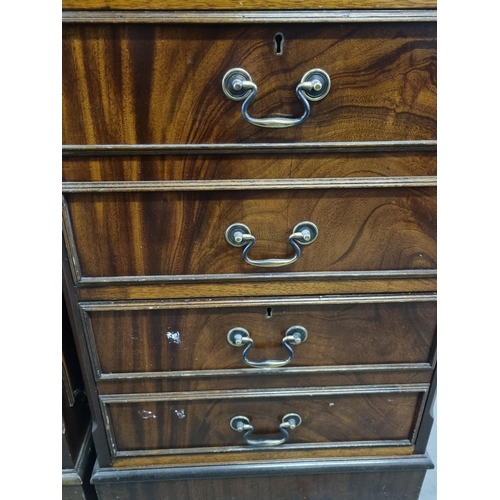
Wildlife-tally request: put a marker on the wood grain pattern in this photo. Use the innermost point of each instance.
(177, 340)
(182, 424)
(228, 458)
(365, 485)
(275, 380)
(218, 167)
(256, 289)
(182, 234)
(153, 84)
(151, 79)
(246, 4)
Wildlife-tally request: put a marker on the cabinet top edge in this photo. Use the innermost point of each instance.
(245, 5)
(250, 16)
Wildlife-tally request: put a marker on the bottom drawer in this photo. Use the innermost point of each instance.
(149, 424)
(353, 479)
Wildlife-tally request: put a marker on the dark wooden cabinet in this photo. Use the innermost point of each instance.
(78, 454)
(253, 281)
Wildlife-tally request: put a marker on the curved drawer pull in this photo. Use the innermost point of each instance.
(294, 335)
(242, 424)
(240, 235)
(237, 85)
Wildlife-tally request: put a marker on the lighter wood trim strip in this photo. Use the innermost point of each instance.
(268, 393)
(138, 305)
(226, 449)
(263, 455)
(256, 148)
(264, 371)
(214, 289)
(248, 184)
(204, 278)
(288, 16)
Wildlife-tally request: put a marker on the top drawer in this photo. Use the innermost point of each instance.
(162, 83)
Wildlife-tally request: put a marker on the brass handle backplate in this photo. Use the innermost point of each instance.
(242, 424)
(239, 235)
(240, 337)
(237, 85)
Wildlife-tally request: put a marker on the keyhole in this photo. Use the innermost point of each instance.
(279, 39)
(269, 312)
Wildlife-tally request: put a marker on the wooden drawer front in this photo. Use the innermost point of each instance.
(166, 234)
(158, 337)
(160, 83)
(191, 421)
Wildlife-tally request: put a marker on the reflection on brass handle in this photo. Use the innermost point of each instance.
(242, 424)
(239, 337)
(239, 235)
(237, 85)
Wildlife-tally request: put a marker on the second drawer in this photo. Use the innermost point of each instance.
(170, 235)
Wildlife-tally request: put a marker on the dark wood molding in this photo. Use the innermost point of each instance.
(411, 462)
(196, 149)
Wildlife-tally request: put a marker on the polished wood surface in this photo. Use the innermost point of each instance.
(181, 424)
(263, 456)
(157, 162)
(246, 5)
(175, 233)
(196, 339)
(250, 379)
(220, 167)
(140, 84)
(346, 285)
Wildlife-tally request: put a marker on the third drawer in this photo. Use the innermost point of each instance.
(179, 339)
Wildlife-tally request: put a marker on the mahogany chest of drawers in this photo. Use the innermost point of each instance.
(249, 219)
